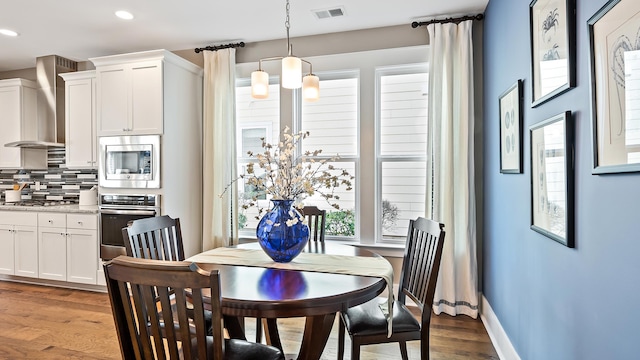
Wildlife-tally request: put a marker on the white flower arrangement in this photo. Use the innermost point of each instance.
(288, 175)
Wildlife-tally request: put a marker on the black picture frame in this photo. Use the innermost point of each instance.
(614, 39)
(552, 178)
(553, 50)
(510, 107)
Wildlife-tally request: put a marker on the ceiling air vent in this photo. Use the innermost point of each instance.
(329, 13)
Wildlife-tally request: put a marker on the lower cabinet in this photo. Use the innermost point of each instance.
(26, 248)
(68, 247)
(18, 243)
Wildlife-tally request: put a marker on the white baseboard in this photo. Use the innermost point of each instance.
(498, 336)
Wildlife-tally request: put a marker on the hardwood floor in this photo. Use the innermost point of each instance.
(39, 322)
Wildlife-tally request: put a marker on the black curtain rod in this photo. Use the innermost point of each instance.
(220, 47)
(415, 24)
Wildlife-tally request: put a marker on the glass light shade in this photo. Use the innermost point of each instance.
(311, 88)
(291, 72)
(259, 84)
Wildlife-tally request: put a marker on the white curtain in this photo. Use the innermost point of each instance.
(220, 228)
(450, 171)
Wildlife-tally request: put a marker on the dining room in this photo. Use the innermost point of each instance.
(397, 114)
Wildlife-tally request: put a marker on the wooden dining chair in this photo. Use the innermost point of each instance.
(315, 219)
(157, 238)
(366, 323)
(162, 293)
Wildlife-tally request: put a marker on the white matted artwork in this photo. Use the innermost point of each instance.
(552, 183)
(552, 48)
(510, 107)
(614, 32)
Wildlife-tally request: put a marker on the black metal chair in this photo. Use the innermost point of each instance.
(366, 323)
(169, 298)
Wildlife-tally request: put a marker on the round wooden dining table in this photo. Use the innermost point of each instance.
(278, 293)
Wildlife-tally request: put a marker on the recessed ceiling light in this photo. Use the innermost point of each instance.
(8, 32)
(122, 14)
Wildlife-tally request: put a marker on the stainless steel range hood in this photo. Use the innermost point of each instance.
(51, 131)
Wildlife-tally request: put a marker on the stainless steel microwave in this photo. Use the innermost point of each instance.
(129, 161)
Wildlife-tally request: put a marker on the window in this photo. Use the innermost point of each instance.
(372, 111)
(332, 123)
(255, 120)
(402, 145)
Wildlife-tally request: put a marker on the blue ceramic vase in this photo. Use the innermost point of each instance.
(280, 241)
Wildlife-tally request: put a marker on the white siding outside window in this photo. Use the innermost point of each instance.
(332, 123)
(402, 145)
(377, 137)
(255, 119)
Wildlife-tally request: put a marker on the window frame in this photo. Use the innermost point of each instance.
(353, 158)
(380, 72)
(365, 62)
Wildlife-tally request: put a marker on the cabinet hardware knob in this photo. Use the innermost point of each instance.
(50, 221)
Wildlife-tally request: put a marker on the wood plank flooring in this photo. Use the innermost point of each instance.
(40, 322)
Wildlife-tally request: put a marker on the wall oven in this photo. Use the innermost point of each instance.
(129, 161)
(116, 210)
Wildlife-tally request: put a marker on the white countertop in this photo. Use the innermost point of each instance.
(73, 208)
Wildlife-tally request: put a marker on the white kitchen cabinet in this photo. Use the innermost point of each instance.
(18, 106)
(7, 263)
(68, 247)
(52, 252)
(80, 119)
(52, 246)
(18, 244)
(130, 98)
(82, 248)
(26, 251)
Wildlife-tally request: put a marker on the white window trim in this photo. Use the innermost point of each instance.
(379, 73)
(367, 62)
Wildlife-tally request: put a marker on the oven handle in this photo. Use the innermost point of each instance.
(127, 212)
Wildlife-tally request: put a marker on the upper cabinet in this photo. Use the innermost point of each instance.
(18, 119)
(131, 91)
(80, 117)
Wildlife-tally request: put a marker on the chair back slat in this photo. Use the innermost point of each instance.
(157, 238)
(315, 220)
(421, 262)
(158, 308)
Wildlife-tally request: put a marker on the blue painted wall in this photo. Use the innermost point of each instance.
(555, 302)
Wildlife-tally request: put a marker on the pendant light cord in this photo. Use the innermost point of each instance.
(287, 24)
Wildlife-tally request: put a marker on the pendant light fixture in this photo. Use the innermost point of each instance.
(291, 74)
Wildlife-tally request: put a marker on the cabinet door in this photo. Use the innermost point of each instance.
(11, 128)
(26, 251)
(146, 98)
(82, 260)
(7, 264)
(80, 124)
(113, 94)
(52, 253)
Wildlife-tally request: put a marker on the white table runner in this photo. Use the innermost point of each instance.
(327, 263)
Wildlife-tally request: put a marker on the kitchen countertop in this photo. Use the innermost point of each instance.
(72, 208)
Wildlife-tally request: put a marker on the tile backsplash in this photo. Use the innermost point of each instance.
(55, 183)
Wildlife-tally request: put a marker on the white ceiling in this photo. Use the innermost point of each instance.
(80, 29)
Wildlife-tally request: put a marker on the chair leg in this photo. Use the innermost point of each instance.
(258, 330)
(355, 350)
(341, 332)
(403, 350)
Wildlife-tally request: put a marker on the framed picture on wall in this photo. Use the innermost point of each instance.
(614, 33)
(510, 104)
(552, 183)
(553, 34)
